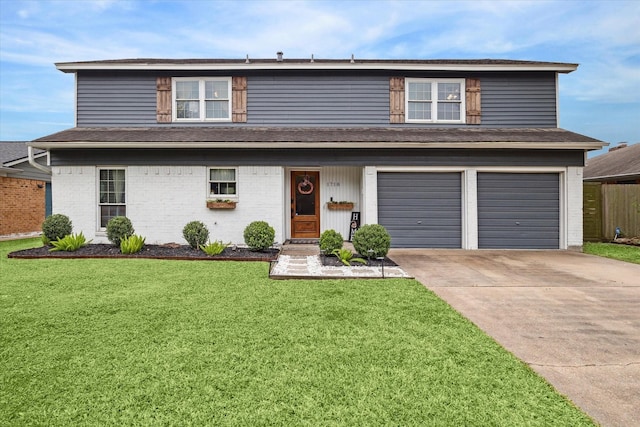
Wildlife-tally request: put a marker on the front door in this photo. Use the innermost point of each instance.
(305, 205)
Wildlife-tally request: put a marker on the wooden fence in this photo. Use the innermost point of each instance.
(610, 206)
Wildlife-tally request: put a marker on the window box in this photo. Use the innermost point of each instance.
(340, 206)
(221, 204)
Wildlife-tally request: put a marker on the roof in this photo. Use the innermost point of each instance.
(321, 137)
(621, 163)
(12, 150)
(318, 64)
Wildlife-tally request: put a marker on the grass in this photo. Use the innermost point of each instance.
(150, 342)
(613, 250)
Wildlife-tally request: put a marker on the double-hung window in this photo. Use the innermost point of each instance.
(112, 195)
(435, 101)
(202, 99)
(223, 183)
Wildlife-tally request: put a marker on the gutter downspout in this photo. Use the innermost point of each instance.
(32, 161)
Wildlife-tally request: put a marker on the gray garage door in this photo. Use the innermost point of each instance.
(421, 210)
(518, 211)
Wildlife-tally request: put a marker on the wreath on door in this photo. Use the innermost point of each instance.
(305, 186)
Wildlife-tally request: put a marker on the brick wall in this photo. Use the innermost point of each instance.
(22, 205)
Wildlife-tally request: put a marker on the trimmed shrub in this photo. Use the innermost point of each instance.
(196, 234)
(330, 241)
(55, 227)
(118, 228)
(372, 236)
(259, 235)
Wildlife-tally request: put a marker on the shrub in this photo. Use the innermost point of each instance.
(118, 228)
(195, 233)
(214, 248)
(259, 235)
(55, 227)
(346, 256)
(132, 244)
(330, 241)
(372, 236)
(69, 243)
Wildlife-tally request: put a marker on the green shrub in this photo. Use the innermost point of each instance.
(214, 248)
(346, 256)
(195, 233)
(118, 228)
(372, 236)
(55, 227)
(259, 235)
(132, 244)
(330, 241)
(69, 243)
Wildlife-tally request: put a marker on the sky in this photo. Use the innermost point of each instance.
(601, 99)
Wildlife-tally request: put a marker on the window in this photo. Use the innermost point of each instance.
(112, 195)
(222, 183)
(436, 101)
(202, 99)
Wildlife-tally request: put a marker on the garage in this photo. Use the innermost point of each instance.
(421, 210)
(518, 210)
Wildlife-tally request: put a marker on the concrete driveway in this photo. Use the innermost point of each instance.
(574, 318)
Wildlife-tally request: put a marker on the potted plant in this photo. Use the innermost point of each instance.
(339, 206)
(221, 204)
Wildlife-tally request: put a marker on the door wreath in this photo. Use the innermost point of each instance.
(305, 186)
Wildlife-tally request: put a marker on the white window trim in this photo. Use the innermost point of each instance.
(201, 81)
(99, 228)
(434, 100)
(232, 197)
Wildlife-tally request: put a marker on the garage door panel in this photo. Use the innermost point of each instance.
(519, 211)
(421, 209)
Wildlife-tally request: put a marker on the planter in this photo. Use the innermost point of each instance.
(221, 205)
(340, 206)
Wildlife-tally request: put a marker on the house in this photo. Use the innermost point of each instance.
(443, 153)
(25, 191)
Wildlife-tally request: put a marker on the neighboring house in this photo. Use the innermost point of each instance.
(443, 153)
(621, 165)
(25, 192)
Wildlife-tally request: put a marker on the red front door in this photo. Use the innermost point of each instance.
(305, 205)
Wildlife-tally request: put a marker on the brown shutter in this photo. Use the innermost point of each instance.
(473, 101)
(163, 95)
(239, 100)
(396, 100)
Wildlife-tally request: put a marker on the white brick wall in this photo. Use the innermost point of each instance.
(573, 186)
(73, 193)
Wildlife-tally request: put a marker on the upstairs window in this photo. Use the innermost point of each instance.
(223, 183)
(435, 101)
(202, 99)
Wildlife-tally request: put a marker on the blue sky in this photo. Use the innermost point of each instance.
(601, 99)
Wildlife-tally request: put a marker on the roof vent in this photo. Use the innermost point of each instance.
(618, 147)
(279, 56)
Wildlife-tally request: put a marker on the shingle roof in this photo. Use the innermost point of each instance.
(12, 150)
(621, 163)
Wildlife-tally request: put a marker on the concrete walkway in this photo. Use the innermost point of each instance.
(574, 318)
(302, 261)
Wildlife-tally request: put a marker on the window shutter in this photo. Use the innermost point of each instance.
(163, 95)
(239, 100)
(473, 101)
(396, 100)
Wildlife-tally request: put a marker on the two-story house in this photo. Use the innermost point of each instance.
(443, 153)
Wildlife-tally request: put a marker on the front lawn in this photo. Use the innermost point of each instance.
(149, 342)
(613, 250)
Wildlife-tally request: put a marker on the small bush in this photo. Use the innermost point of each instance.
(55, 227)
(131, 244)
(214, 248)
(372, 236)
(259, 235)
(69, 243)
(330, 241)
(346, 256)
(195, 233)
(118, 228)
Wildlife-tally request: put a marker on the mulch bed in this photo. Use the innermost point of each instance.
(332, 261)
(168, 251)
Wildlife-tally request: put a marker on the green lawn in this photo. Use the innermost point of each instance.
(613, 250)
(148, 342)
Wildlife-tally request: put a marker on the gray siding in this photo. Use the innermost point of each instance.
(313, 99)
(518, 211)
(421, 210)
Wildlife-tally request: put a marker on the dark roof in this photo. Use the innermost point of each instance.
(12, 150)
(316, 135)
(621, 163)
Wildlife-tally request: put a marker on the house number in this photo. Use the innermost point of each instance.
(333, 184)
